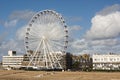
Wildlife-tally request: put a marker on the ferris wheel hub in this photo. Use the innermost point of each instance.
(43, 37)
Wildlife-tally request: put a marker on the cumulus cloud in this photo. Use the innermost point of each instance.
(3, 36)
(11, 45)
(75, 28)
(104, 34)
(74, 19)
(80, 44)
(11, 23)
(109, 9)
(105, 42)
(16, 44)
(22, 15)
(16, 17)
(20, 33)
(104, 26)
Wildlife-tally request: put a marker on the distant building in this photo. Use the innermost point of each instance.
(85, 62)
(82, 62)
(1, 66)
(12, 60)
(66, 61)
(106, 62)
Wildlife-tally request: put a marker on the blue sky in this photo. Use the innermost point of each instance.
(80, 15)
(83, 9)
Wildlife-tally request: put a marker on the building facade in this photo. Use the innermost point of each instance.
(82, 62)
(12, 60)
(106, 62)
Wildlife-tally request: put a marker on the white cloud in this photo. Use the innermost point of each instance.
(109, 9)
(11, 23)
(75, 28)
(17, 43)
(11, 45)
(20, 33)
(16, 16)
(104, 34)
(14, 43)
(107, 26)
(79, 44)
(105, 42)
(73, 19)
(22, 15)
(3, 36)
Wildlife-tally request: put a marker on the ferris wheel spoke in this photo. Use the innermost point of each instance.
(57, 48)
(33, 40)
(58, 44)
(35, 53)
(33, 32)
(32, 44)
(52, 19)
(39, 20)
(34, 37)
(56, 40)
(48, 18)
(44, 19)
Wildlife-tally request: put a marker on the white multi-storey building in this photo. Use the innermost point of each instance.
(12, 60)
(106, 61)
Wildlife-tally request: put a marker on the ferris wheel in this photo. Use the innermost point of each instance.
(46, 39)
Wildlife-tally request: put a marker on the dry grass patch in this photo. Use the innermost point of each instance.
(42, 75)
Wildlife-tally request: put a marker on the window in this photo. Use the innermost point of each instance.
(117, 59)
(95, 59)
(101, 59)
(114, 59)
(111, 59)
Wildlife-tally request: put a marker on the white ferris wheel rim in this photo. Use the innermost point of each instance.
(61, 20)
